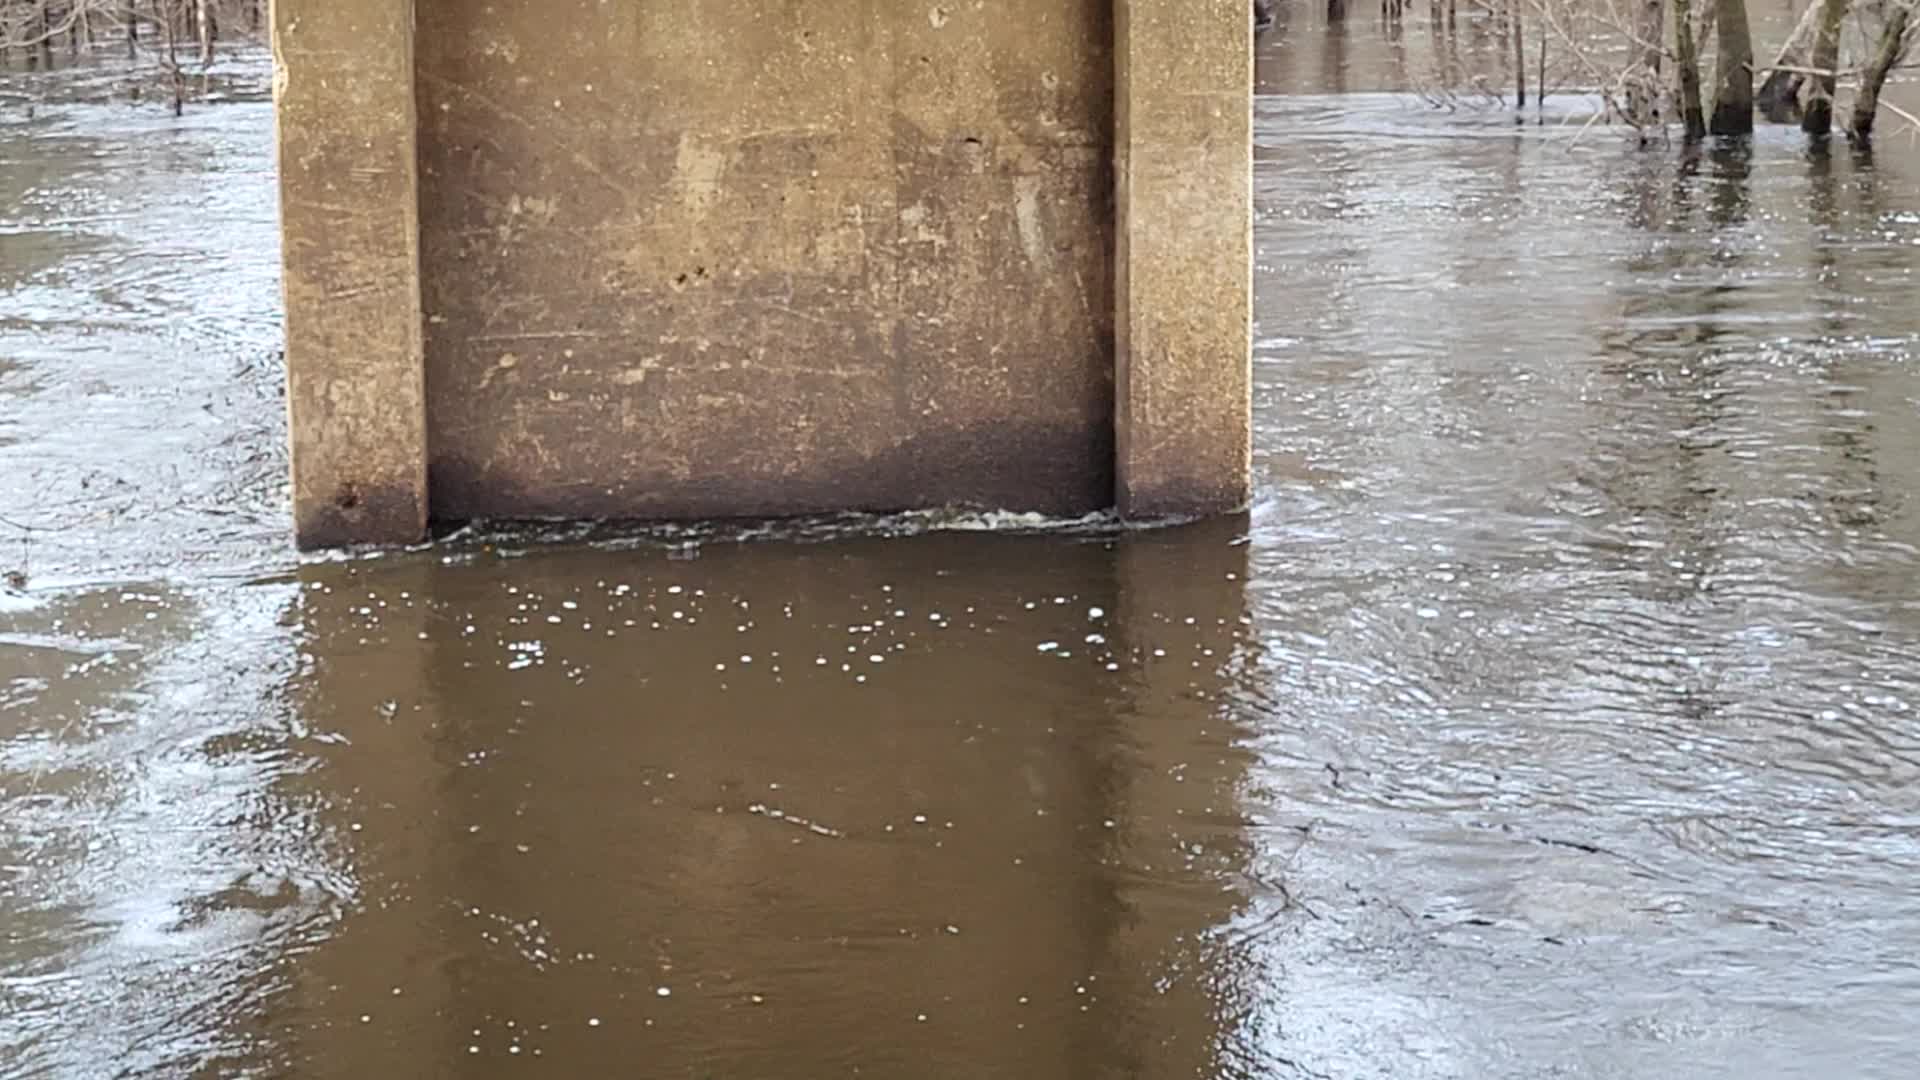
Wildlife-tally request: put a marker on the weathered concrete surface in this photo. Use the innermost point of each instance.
(349, 208)
(1184, 413)
(702, 258)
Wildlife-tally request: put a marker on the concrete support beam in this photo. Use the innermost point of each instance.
(1184, 271)
(644, 301)
(344, 88)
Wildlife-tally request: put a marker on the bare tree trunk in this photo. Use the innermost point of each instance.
(1779, 96)
(1540, 84)
(1519, 56)
(1733, 72)
(170, 29)
(39, 50)
(1643, 87)
(1826, 61)
(1893, 42)
(32, 57)
(1686, 57)
(209, 29)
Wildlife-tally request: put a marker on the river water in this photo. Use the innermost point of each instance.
(1552, 713)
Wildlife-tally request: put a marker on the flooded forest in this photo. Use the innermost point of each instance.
(171, 35)
(1554, 709)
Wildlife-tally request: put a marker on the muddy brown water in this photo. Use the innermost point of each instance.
(1553, 713)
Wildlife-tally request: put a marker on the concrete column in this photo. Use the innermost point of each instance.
(1184, 271)
(343, 85)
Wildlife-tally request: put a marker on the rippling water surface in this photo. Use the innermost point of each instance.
(1553, 712)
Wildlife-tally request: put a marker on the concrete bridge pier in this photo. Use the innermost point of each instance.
(568, 258)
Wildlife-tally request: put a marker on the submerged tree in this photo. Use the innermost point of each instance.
(172, 27)
(1895, 36)
(1779, 97)
(1826, 63)
(34, 27)
(1733, 71)
(1643, 86)
(1686, 58)
(1621, 49)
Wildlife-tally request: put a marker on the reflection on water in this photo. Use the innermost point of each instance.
(1553, 714)
(930, 806)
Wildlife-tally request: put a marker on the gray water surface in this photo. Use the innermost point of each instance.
(1552, 713)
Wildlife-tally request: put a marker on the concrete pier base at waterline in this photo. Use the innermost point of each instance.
(687, 258)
